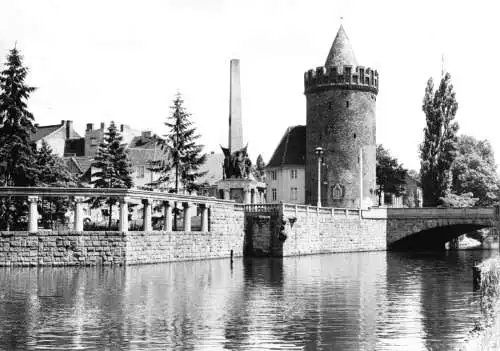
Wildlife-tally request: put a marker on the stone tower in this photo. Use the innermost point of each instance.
(341, 98)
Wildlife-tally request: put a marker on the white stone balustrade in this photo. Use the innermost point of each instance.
(204, 217)
(124, 214)
(167, 215)
(33, 214)
(147, 213)
(187, 215)
(78, 219)
(124, 197)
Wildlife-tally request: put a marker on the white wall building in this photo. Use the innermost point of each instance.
(285, 172)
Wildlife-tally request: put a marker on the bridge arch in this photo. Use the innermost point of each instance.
(426, 228)
(433, 238)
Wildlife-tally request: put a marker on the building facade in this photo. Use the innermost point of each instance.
(341, 98)
(285, 172)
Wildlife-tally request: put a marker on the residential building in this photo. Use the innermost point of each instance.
(285, 172)
(61, 138)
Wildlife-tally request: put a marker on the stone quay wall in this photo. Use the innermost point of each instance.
(61, 249)
(225, 238)
(46, 248)
(288, 230)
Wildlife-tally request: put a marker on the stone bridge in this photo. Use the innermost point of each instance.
(431, 228)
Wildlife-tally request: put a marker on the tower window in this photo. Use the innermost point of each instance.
(354, 135)
(330, 105)
(347, 104)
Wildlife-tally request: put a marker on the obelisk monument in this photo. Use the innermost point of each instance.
(238, 182)
(235, 124)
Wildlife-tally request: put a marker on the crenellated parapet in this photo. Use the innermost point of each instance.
(346, 77)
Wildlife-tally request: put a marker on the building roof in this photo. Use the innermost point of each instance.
(81, 163)
(141, 156)
(43, 131)
(341, 52)
(213, 167)
(292, 148)
(143, 142)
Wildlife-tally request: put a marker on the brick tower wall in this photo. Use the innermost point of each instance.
(341, 120)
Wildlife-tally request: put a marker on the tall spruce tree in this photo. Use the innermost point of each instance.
(439, 148)
(17, 154)
(113, 168)
(184, 157)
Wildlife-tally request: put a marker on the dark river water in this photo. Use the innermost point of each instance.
(354, 301)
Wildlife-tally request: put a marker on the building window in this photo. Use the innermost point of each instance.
(140, 171)
(93, 141)
(347, 104)
(274, 194)
(293, 174)
(273, 175)
(293, 194)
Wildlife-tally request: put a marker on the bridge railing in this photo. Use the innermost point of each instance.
(428, 212)
(286, 207)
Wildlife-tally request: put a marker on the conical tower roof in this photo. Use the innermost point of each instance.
(341, 53)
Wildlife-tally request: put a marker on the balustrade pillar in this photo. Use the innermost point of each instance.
(246, 196)
(78, 216)
(147, 212)
(187, 216)
(124, 214)
(167, 216)
(33, 214)
(204, 217)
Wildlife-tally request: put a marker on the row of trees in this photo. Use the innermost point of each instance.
(22, 164)
(455, 170)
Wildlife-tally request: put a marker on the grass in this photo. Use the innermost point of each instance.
(486, 333)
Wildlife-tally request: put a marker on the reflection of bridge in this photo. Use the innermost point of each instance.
(431, 228)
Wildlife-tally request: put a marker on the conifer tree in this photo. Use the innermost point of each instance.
(17, 154)
(184, 153)
(439, 148)
(17, 160)
(113, 168)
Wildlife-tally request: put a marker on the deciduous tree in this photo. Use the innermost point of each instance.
(54, 173)
(474, 171)
(439, 148)
(391, 176)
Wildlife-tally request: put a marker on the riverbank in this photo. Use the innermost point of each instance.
(486, 334)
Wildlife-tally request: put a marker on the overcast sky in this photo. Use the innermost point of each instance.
(97, 61)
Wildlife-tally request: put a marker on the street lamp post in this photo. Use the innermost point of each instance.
(319, 152)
